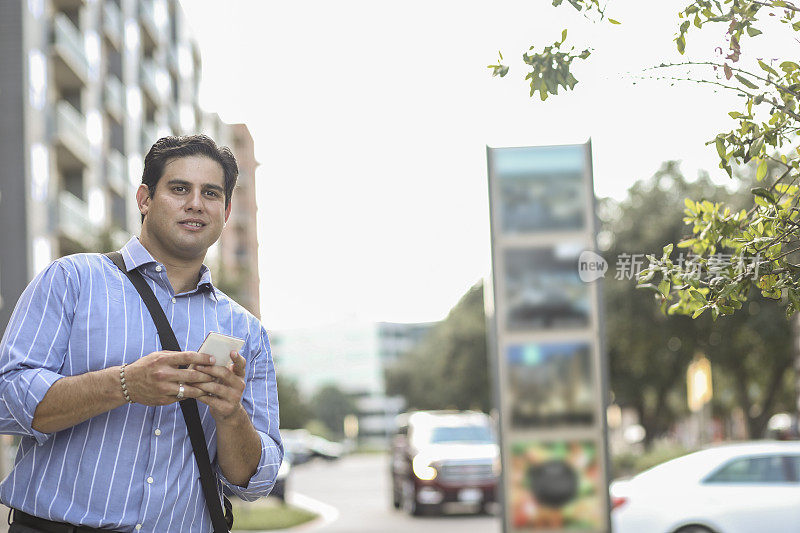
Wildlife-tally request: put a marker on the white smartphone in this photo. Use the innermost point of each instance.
(220, 346)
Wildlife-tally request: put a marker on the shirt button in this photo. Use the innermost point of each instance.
(149, 480)
(158, 268)
(174, 300)
(158, 432)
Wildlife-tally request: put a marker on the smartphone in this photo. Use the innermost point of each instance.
(220, 346)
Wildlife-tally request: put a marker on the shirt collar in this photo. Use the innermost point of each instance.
(135, 255)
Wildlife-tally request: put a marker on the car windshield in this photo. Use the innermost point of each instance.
(474, 434)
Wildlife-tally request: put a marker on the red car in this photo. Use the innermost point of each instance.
(444, 456)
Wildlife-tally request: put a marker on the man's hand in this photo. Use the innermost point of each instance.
(223, 388)
(238, 443)
(155, 378)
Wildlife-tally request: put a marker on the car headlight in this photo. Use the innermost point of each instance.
(423, 469)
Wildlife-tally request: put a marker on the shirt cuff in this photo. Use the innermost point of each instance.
(261, 483)
(33, 384)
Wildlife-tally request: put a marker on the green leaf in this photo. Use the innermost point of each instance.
(563, 35)
(761, 173)
(663, 288)
(744, 81)
(697, 295)
(667, 249)
(752, 32)
(721, 148)
(756, 147)
(698, 312)
(681, 42)
(612, 21)
(767, 68)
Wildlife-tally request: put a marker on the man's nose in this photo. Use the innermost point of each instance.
(195, 201)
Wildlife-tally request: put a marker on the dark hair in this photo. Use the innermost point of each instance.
(168, 148)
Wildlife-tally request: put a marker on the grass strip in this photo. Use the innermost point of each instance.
(261, 517)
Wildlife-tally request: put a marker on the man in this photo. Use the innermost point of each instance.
(102, 453)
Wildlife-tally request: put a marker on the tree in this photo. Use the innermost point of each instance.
(449, 368)
(738, 250)
(295, 413)
(649, 352)
(330, 405)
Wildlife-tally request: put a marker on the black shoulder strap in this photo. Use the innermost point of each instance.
(189, 406)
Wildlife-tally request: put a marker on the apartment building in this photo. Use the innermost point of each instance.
(87, 86)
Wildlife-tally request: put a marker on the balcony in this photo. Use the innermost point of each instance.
(154, 81)
(173, 59)
(151, 35)
(174, 117)
(69, 54)
(112, 23)
(114, 96)
(71, 139)
(149, 136)
(73, 219)
(116, 171)
(67, 5)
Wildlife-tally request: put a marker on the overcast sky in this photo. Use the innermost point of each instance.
(371, 120)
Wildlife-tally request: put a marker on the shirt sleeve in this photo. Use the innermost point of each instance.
(33, 348)
(260, 400)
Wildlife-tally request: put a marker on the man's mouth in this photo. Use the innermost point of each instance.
(192, 224)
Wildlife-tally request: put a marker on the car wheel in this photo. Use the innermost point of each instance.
(396, 501)
(409, 498)
(694, 529)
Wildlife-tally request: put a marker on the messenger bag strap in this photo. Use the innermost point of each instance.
(189, 406)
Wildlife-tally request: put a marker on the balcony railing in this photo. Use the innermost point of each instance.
(116, 172)
(70, 127)
(147, 15)
(70, 46)
(154, 81)
(174, 116)
(115, 97)
(73, 217)
(112, 22)
(149, 136)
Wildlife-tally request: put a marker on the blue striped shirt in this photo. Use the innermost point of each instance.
(131, 468)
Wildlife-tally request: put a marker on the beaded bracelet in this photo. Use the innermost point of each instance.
(122, 383)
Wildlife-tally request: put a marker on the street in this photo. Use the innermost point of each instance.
(358, 490)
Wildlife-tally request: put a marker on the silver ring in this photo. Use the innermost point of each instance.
(180, 391)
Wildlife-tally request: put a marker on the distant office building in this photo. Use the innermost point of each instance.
(351, 356)
(396, 339)
(86, 89)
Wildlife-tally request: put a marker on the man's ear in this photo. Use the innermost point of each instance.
(143, 198)
(228, 211)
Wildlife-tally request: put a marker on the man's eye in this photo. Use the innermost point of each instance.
(215, 194)
(179, 188)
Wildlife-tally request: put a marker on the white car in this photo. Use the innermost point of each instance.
(735, 488)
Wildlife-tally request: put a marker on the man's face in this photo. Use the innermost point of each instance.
(187, 212)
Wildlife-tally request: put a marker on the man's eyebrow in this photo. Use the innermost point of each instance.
(214, 187)
(178, 181)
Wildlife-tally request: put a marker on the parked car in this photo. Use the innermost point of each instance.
(304, 446)
(734, 488)
(279, 490)
(444, 456)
